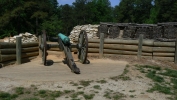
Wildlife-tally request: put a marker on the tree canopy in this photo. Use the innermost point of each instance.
(18, 16)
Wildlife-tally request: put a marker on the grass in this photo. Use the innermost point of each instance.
(123, 75)
(170, 73)
(85, 83)
(160, 88)
(75, 95)
(7, 96)
(160, 85)
(31, 98)
(152, 75)
(19, 90)
(74, 84)
(89, 96)
(97, 87)
(132, 91)
(113, 95)
(101, 81)
(132, 96)
(148, 66)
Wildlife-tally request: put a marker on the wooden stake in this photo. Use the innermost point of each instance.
(18, 50)
(101, 45)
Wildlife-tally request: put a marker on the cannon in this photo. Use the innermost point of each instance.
(65, 46)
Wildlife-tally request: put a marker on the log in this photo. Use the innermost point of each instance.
(163, 54)
(164, 49)
(164, 44)
(170, 59)
(121, 41)
(13, 45)
(13, 51)
(57, 49)
(121, 47)
(56, 45)
(121, 52)
(13, 56)
(24, 60)
(96, 55)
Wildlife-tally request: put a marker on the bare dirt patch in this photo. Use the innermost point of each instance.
(102, 79)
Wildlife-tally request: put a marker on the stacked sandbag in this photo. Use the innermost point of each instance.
(26, 38)
(91, 31)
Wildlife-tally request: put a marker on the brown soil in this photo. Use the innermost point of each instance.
(59, 75)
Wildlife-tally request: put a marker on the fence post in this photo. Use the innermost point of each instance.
(140, 43)
(101, 48)
(176, 50)
(40, 41)
(18, 50)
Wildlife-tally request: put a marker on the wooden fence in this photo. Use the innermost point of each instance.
(141, 48)
(8, 52)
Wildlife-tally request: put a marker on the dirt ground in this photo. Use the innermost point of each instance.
(59, 77)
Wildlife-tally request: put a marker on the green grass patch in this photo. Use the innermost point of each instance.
(149, 66)
(56, 94)
(113, 95)
(132, 96)
(170, 72)
(7, 96)
(89, 96)
(152, 75)
(174, 81)
(122, 77)
(67, 91)
(97, 87)
(101, 81)
(160, 88)
(31, 98)
(74, 84)
(85, 83)
(19, 90)
(132, 91)
(75, 95)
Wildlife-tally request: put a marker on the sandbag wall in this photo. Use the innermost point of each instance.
(8, 52)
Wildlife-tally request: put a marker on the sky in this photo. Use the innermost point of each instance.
(63, 2)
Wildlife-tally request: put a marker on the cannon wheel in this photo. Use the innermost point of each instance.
(44, 48)
(83, 47)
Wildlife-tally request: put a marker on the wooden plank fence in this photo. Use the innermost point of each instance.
(156, 50)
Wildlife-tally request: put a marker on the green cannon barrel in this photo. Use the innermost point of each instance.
(64, 38)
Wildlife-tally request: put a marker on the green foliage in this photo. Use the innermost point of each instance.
(97, 87)
(7, 96)
(85, 83)
(170, 72)
(152, 75)
(89, 96)
(19, 16)
(19, 90)
(31, 98)
(160, 88)
(102, 81)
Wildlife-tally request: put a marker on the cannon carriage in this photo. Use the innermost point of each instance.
(65, 46)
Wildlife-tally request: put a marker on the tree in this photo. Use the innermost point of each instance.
(67, 18)
(125, 12)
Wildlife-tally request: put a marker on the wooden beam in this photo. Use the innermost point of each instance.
(18, 50)
(13, 56)
(101, 46)
(13, 51)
